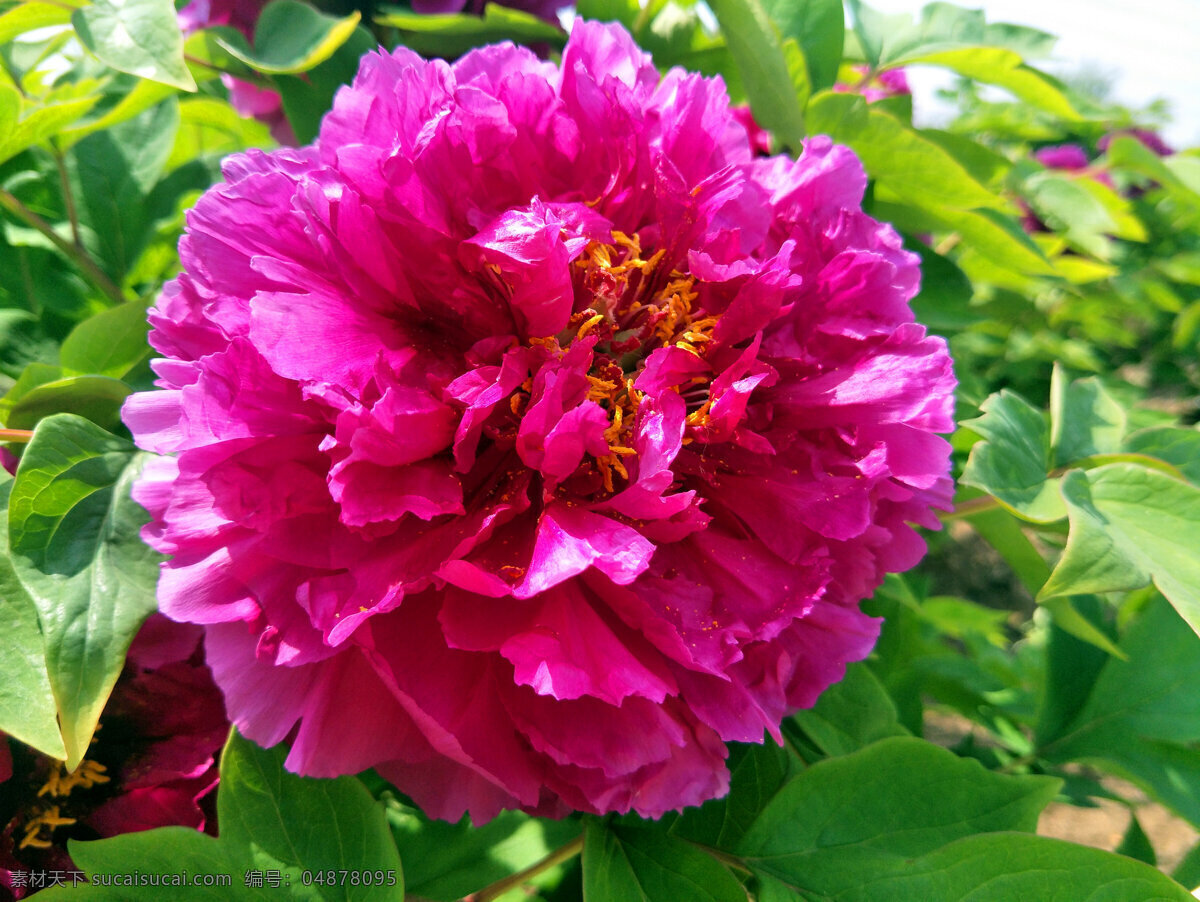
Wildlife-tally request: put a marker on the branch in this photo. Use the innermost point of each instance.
(500, 887)
(76, 253)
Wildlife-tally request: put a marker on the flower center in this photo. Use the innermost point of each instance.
(636, 307)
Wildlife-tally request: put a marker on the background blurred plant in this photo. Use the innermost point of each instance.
(1048, 642)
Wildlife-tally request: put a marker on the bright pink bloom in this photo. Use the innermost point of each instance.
(530, 437)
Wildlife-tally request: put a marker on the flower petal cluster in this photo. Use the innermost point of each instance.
(528, 438)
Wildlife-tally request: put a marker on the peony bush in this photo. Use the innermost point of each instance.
(500, 451)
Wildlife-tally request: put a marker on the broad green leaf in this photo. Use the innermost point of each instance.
(27, 710)
(141, 97)
(644, 863)
(1013, 461)
(896, 155)
(74, 535)
(113, 173)
(453, 35)
(1005, 69)
(1177, 446)
(1136, 844)
(95, 398)
(1130, 525)
(268, 820)
(20, 130)
(1010, 867)
(291, 37)
(111, 343)
(445, 862)
(1085, 420)
(1126, 152)
(1141, 719)
(1073, 663)
(296, 823)
(1187, 872)
(756, 772)
(141, 37)
(818, 26)
(769, 71)
(850, 714)
(943, 303)
(877, 808)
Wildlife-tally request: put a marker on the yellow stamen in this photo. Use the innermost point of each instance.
(589, 325)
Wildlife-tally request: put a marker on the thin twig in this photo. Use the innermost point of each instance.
(500, 887)
(68, 198)
(75, 252)
(19, 436)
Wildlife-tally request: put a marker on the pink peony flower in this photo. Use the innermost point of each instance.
(531, 438)
(153, 763)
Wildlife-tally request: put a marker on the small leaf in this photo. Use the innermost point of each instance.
(27, 710)
(305, 100)
(1130, 525)
(1085, 420)
(32, 15)
(19, 131)
(767, 72)
(111, 343)
(453, 35)
(1068, 207)
(291, 37)
(643, 863)
(1013, 461)
(74, 534)
(95, 398)
(141, 37)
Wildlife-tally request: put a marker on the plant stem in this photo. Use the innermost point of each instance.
(20, 436)
(973, 506)
(75, 252)
(68, 199)
(500, 887)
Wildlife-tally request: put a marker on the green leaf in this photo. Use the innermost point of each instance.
(210, 127)
(291, 37)
(1008, 867)
(111, 343)
(1177, 446)
(818, 26)
(269, 820)
(95, 398)
(1065, 205)
(757, 772)
(74, 535)
(20, 131)
(27, 710)
(768, 71)
(643, 863)
(1004, 69)
(32, 15)
(1130, 525)
(446, 862)
(453, 35)
(1136, 844)
(1012, 462)
(141, 37)
(112, 175)
(896, 155)
(1142, 719)
(1073, 663)
(850, 714)
(875, 809)
(1085, 420)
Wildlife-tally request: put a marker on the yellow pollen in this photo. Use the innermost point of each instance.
(589, 325)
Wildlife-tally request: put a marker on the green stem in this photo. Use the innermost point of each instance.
(973, 506)
(500, 887)
(68, 199)
(75, 252)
